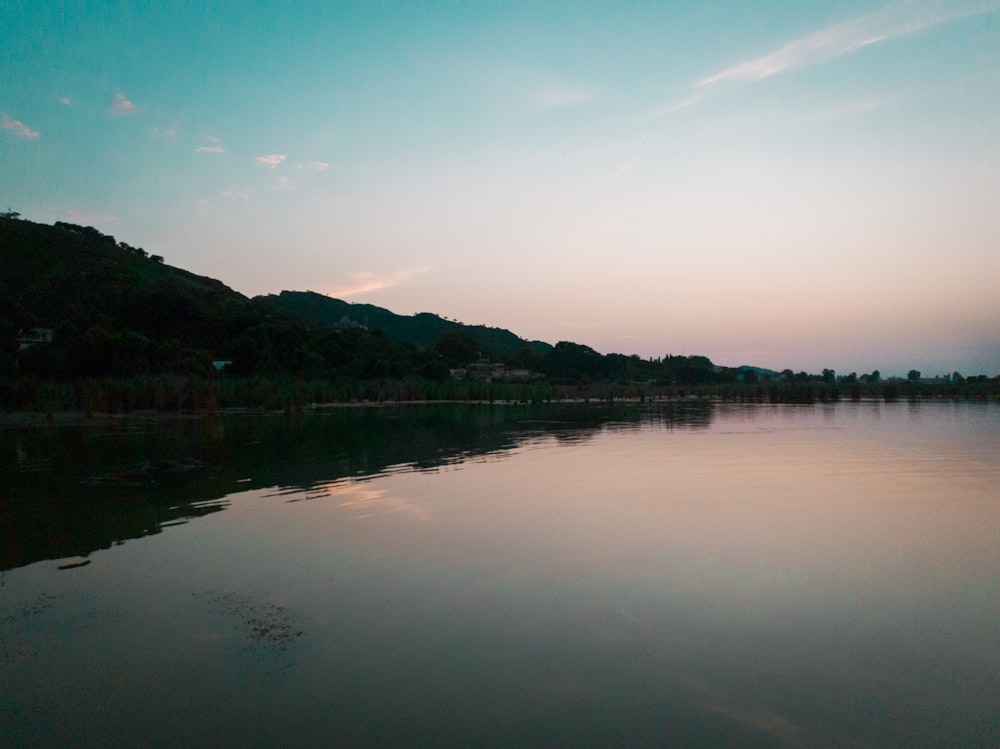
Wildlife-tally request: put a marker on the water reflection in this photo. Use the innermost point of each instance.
(725, 576)
(78, 487)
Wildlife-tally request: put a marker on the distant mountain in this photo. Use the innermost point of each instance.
(421, 330)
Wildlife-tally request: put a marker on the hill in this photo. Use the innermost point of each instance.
(114, 308)
(77, 306)
(107, 309)
(423, 330)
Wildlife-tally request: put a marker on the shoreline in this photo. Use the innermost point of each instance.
(77, 417)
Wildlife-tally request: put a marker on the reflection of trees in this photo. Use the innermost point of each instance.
(73, 489)
(692, 415)
(57, 529)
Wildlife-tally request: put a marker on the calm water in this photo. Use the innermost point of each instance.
(691, 575)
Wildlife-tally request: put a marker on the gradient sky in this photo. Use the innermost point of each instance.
(800, 185)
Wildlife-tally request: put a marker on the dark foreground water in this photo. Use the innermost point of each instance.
(685, 575)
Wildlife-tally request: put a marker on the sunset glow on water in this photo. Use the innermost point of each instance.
(669, 574)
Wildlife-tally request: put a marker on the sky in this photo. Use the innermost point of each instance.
(799, 185)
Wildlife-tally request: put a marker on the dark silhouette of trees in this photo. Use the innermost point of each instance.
(457, 349)
(572, 362)
(117, 312)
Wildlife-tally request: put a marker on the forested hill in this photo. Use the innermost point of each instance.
(116, 310)
(422, 330)
(68, 272)
(77, 306)
(113, 308)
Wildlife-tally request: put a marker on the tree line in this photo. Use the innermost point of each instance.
(162, 337)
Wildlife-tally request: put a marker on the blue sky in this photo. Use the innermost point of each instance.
(801, 185)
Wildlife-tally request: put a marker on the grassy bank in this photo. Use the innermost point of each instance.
(192, 394)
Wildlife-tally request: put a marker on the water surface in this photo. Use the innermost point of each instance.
(654, 575)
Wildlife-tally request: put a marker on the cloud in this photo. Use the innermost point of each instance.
(684, 104)
(272, 159)
(17, 127)
(892, 22)
(625, 167)
(66, 100)
(166, 133)
(314, 166)
(122, 106)
(283, 184)
(215, 145)
(239, 193)
(365, 282)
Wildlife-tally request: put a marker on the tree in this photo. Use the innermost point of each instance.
(434, 370)
(829, 375)
(913, 375)
(457, 348)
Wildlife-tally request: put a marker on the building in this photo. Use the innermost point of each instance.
(31, 336)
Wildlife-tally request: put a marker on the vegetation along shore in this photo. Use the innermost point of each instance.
(92, 324)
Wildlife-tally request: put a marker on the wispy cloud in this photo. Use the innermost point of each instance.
(66, 100)
(314, 166)
(17, 127)
(238, 193)
(625, 167)
(122, 106)
(214, 145)
(166, 133)
(271, 159)
(365, 282)
(892, 22)
(683, 104)
(283, 184)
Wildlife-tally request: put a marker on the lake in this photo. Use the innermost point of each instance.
(661, 574)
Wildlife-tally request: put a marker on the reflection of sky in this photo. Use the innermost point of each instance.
(809, 574)
(806, 506)
(837, 543)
